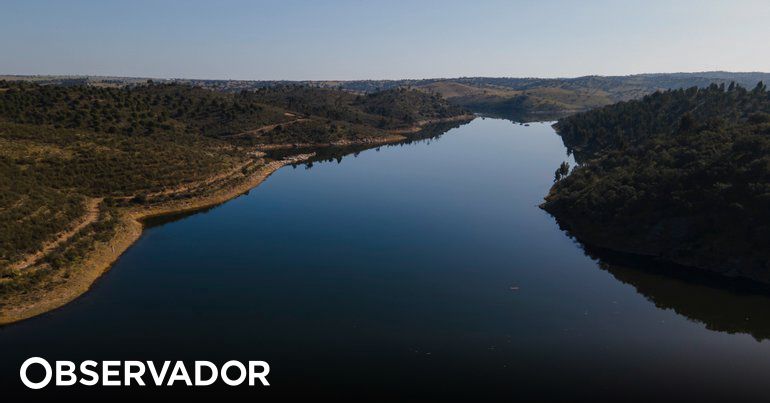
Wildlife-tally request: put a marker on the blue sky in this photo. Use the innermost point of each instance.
(381, 39)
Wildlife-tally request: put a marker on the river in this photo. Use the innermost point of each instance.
(422, 270)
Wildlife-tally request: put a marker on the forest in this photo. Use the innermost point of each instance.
(681, 175)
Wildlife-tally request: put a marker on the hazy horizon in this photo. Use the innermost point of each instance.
(351, 40)
(382, 79)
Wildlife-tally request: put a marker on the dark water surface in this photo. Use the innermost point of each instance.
(417, 271)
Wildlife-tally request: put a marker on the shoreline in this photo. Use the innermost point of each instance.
(421, 124)
(127, 232)
(342, 143)
(395, 135)
(131, 224)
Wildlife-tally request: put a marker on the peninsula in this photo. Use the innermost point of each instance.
(681, 175)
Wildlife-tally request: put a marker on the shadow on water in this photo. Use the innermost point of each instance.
(722, 304)
(159, 220)
(330, 154)
(402, 302)
(525, 117)
(337, 153)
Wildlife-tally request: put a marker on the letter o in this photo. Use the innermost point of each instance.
(226, 378)
(46, 379)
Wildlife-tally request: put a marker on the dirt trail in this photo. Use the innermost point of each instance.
(128, 231)
(91, 215)
(205, 182)
(422, 123)
(266, 128)
(340, 143)
(225, 193)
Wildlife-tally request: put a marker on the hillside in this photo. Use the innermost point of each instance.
(680, 175)
(523, 98)
(393, 108)
(536, 100)
(79, 163)
(531, 98)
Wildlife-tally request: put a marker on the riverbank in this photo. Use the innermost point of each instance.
(128, 230)
(421, 124)
(686, 184)
(394, 136)
(342, 143)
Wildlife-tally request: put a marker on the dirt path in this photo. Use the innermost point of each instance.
(222, 195)
(422, 123)
(130, 227)
(340, 143)
(266, 128)
(205, 182)
(91, 215)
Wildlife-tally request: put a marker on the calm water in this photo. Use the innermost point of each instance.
(422, 270)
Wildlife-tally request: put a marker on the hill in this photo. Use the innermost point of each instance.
(524, 98)
(80, 164)
(681, 175)
(534, 97)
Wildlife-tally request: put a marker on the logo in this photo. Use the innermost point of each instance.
(142, 373)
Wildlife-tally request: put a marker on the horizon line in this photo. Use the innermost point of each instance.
(376, 79)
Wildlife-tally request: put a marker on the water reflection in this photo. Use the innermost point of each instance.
(426, 135)
(158, 220)
(525, 117)
(722, 304)
(336, 153)
(391, 275)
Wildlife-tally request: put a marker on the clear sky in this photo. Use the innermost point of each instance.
(381, 39)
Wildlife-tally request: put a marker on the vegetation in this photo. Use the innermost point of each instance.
(683, 175)
(66, 147)
(523, 98)
(143, 110)
(46, 174)
(176, 109)
(390, 109)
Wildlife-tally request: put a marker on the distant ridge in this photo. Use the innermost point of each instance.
(499, 95)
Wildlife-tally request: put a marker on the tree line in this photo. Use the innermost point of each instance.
(680, 174)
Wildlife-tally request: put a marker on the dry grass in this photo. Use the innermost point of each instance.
(90, 216)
